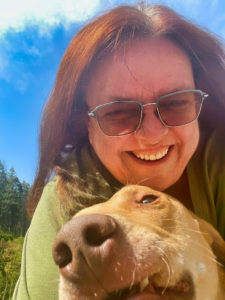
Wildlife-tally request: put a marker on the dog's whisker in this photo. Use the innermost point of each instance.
(132, 282)
(175, 248)
(133, 275)
(183, 228)
(168, 276)
(201, 246)
(166, 257)
(142, 180)
(214, 260)
(169, 266)
(211, 258)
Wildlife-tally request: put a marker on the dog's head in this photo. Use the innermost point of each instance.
(139, 245)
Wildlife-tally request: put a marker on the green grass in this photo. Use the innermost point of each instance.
(10, 262)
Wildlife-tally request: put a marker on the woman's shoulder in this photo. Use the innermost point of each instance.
(48, 193)
(47, 202)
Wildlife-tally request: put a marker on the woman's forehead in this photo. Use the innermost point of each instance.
(161, 48)
(144, 66)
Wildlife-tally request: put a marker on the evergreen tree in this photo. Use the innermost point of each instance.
(24, 222)
(3, 183)
(13, 220)
(3, 178)
(12, 200)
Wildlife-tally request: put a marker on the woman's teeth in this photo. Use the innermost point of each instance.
(152, 156)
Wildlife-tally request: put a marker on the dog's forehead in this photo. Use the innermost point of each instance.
(127, 200)
(136, 192)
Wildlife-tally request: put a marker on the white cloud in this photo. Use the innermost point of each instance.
(16, 14)
(19, 15)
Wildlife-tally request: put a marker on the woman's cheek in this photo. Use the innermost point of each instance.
(188, 137)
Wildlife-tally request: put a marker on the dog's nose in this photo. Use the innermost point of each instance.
(82, 243)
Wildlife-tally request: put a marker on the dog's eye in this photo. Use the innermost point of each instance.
(145, 201)
(149, 199)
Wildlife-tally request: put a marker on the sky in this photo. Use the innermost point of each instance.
(34, 35)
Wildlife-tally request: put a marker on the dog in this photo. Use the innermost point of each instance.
(139, 245)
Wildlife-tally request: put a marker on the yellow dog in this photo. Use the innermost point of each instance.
(140, 245)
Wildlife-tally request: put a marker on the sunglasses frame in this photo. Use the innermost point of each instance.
(93, 113)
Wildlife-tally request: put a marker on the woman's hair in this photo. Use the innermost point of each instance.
(64, 119)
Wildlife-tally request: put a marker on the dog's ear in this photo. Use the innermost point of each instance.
(213, 238)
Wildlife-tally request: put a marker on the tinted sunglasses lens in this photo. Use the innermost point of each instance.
(119, 118)
(180, 109)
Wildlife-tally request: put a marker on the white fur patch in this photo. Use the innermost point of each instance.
(201, 268)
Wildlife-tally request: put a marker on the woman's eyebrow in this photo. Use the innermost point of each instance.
(161, 92)
(121, 98)
(180, 88)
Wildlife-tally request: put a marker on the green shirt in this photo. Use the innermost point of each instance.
(39, 278)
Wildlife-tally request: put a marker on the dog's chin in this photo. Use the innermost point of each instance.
(182, 290)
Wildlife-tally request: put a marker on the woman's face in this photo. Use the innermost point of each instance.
(144, 71)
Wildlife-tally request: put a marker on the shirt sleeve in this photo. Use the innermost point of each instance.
(39, 277)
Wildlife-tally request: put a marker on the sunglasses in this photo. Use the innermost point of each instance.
(124, 117)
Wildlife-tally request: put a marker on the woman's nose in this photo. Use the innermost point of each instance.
(151, 129)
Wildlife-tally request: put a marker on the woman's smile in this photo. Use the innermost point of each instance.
(146, 155)
(151, 159)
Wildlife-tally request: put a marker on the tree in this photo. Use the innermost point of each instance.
(24, 222)
(3, 182)
(12, 200)
(13, 222)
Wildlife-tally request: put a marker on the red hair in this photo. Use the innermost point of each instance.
(64, 119)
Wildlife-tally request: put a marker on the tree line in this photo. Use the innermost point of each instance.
(13, 200)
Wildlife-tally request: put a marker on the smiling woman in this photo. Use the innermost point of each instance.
(138, 99)
(137, 73)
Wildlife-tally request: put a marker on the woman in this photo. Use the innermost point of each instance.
(111, 120)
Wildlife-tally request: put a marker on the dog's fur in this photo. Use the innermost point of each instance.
(182, 255)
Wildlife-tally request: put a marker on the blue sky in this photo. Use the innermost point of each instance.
(33, 37)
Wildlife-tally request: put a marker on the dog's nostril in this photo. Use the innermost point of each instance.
(94, 237)
(96, 234)
(62, 255)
